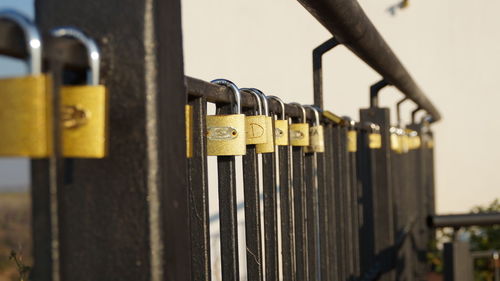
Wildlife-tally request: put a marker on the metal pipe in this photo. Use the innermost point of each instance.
(462, 220)
(348, 23)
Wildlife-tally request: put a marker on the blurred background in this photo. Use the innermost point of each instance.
(450, 47)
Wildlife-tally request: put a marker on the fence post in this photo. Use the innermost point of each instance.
(457, 262)
(124, 217)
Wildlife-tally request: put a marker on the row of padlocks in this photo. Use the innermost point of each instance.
(229, 134)
(26, 103)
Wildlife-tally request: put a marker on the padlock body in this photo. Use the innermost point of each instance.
(226, 135)
(396, 143)
(281, 132)
(414, 142)
(299, 134)
(352, 141)
(375, 141)
(256, 129)
(26, 116)
(316, 140)
(268, 146)
(84, 114)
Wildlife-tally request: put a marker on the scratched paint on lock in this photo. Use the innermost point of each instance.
(316, 140)
(255, 129)
(226, 135)
(268, 146)
(281, 132)
(299, 134)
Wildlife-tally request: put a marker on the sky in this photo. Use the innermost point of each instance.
(14, 172)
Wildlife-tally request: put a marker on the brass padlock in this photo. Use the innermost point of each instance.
(84, 108)
(280, 125)
(404, 141)
(414, 141)
(316, 135)
(299, 132)
(374, 137)
(352, 135)
(226, 133)
(268, 146)
(395, 140)
(25, 102)
(256, 127)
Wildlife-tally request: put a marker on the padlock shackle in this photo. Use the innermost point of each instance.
(349, 121)
(236, 92)
(282, 104)
(316, 113)
(257, 98)
(31, 36)
(263, 98)
(304, 114)
(93, 52)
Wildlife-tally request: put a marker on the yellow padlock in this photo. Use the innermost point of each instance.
(395, 140)
(299, 132)
(226, 133)
(256, 128)
(414, 141)
(25, 102)
(374, 137)
(268, 146)
(84, 108)
(352, 135)
(280, 125)
(316, 135)
(403, 136)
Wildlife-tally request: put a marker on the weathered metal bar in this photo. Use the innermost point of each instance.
(140, 190)
(383, 212)
(252, 215)
(286, 212)
(462, 220)
(311, 199)
(354, 198)
(324, 226)
(331, 218)
(340, 226)
(348, 23)
(300, 214)
(198, 194)
(270, 216)
(345, 195)
(318, 53)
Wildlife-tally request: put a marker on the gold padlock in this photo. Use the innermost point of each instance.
(374, 137)
(299, 132)
(414, 141)
(395, 140)
(25, 102)
(256, 127)
(404, 141)
(316, 135)
(280, 125)
(84, 108)
(352, 135)
(268, 146)
(226, 133)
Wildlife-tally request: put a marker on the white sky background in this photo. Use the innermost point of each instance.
(451, 47)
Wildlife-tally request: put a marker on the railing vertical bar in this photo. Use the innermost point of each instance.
(252, 215)
(270, 216)
(323, 214)
(339, 204)
(346, 195)
(286, 211)
(354, 199)
(300, 213)
(330, 204)
(312, 208)
(198, 194)
(226, 168)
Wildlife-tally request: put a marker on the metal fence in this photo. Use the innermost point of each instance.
(355, 211)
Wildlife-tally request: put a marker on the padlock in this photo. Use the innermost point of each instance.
(374, 137)
(352, 135)
(268, 146)
(316, 135)
(84, 108)
(226, 133)
(403, 136)
(256, 127)
(299, 132)
(395, 140)
(414, 141)
(280, 125)
(25, 102)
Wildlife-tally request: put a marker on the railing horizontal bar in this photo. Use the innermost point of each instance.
(346, 20)
(464, 220)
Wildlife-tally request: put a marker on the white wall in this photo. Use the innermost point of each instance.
(450, 47)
